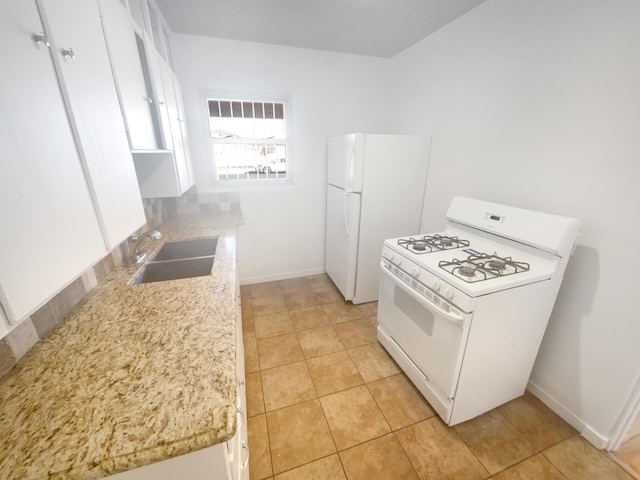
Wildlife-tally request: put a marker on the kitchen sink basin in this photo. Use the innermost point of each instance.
(175, 269)
(202, 247)
(175, 260)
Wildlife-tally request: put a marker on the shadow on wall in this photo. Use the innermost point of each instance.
(560, 356)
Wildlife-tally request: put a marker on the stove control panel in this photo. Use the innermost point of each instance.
(423, 281)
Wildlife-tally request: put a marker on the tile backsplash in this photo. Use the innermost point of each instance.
(37, 326)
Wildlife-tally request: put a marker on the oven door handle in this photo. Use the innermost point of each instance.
(425, 302)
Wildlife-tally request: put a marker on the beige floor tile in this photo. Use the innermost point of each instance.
(367, 309)
(495, 442)
(309, 317)
(333, 373)
(577, 459)
(298, 434)
(319, 341)
(327, 468)
(260, 458)
(280, 350)
(382, 458)
(437, 452)
(358, 332)
(301, 299)
(319, 281)
(255, 399)
(399, 401)
(353, 417)
(251, 362)
(629, 453)
(265, 289)
(248, 331)
(246, 308)
(373, 362)
(533, 468)
(291, 285)
(245, 292)
(273, 325)
(328, 295)
(541, 426)
(268, 305)
(340, 311)
(287, 385)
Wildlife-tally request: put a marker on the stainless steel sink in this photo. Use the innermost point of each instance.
(202, 247)
(190, 258)
(175, 269)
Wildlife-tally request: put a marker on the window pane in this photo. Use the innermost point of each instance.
(268, 110)
(248, 139)
(279, 110)
(214, 108)
(259, 110)
(225, 109)
(247, 109)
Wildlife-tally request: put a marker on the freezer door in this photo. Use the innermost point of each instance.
(345, 162)
(343, 228)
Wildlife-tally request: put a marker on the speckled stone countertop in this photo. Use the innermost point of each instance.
(136, 374)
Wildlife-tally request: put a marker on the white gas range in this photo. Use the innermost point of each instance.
(463, 311)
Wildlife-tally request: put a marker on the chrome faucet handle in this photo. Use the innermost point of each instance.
(134, 256)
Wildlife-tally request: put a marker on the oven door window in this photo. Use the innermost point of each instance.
(432, 341)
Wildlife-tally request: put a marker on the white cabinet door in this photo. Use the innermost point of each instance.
(127, 69)
(172, 93)
(159, 95)
(91, 97)
(50, 232)
(206, 464)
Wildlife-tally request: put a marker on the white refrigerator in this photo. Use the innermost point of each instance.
(375, 191)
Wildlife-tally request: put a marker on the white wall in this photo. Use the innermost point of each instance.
(537, 104)
(330, 94)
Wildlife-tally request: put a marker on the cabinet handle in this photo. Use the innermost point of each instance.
(68, 53)
(240, 382)
(246, 461)
(148, 99)
(40, 39)
(241, 422)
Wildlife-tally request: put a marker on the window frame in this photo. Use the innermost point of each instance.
(253, 96)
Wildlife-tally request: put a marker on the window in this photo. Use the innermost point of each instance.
(249, 139)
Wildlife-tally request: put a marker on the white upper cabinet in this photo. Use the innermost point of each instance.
(50, 231)
(80, 53)
(128, 72)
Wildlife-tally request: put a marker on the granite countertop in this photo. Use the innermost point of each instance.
(135, 375)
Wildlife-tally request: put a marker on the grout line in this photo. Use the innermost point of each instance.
(624, 465)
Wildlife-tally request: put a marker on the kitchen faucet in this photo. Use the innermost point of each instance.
(134, 256)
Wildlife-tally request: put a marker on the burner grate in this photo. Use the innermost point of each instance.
(477, 268)
(432, 243)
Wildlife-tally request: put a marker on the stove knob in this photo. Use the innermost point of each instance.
(415, 272)
(436, 285)
(388, 255)
(448, 293)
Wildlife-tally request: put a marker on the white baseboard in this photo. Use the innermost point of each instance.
(568, 416)
(280, 276)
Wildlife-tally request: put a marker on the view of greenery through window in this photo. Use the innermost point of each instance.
(248, 139)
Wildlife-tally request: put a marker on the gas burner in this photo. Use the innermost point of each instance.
(432, 243)
(496, 264)
(467, 270)
(477, 268)
(420, 246)
(444, 241)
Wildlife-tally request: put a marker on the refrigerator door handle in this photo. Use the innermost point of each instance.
(348, 174)
(346, 221)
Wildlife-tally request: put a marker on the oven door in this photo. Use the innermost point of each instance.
(432, 336)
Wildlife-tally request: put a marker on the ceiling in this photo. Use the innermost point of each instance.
(379, 28)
